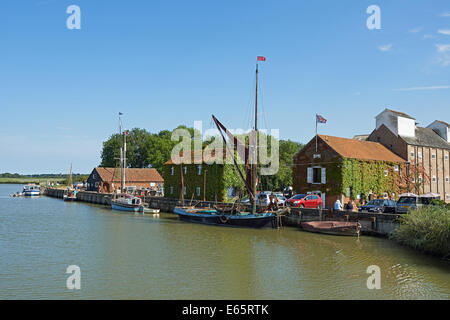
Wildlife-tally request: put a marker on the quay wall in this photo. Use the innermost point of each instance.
(84, 196)
(380, 224)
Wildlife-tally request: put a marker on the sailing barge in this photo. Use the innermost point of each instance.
(236, 218)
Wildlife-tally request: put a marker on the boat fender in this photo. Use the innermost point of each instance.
(223, 219)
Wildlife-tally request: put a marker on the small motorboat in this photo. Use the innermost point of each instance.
(339, 228)
(31, 190)
(149, 210)
(127, 202)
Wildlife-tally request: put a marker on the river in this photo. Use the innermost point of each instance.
(128, 256)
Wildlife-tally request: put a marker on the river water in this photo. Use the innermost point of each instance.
(128, 256)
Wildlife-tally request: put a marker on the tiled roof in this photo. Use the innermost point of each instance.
(206, 156)
(426, 137)
(444, 123)
(133, 174)
(357, 149)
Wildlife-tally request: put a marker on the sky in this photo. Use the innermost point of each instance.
(165, 63)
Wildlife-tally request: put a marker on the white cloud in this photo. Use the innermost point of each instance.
(443, 57)
(444, 31)
(428, 36)
(415, 30)
(442, 48)
(424, 88)
(385, 47)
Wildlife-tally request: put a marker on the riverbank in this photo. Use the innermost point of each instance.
(29, 180)
(426, 229)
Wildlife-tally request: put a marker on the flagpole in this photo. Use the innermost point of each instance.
(316, 132)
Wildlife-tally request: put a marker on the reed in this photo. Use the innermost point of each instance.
(426, 229)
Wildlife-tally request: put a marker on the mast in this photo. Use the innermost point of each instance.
(70, 176)
(124, 160)
(253, 144)
(121, 153)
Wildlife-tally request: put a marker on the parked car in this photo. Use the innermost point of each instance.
(406, 203)
(281, 199)
(379, 205)
(305, 201)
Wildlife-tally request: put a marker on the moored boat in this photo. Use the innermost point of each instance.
(340, 228)
(213, 217)
(69, 193)
(233, 216)
(126, 202)
(31, 190)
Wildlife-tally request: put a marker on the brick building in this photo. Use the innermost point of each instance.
(108, 179)
(425, 149)
(344, 168)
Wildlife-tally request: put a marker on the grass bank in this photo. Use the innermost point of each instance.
(29, 180)
(426, 229)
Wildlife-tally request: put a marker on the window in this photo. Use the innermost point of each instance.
(386, 173)
(433, 156)
(446, 157)
(413, 180)
(419, 155)
(171, 190)
(172, 171)
(316, 175)
(197, 191)
(396, 168)
(420, 179)
(412, 154)
(96, 184)
(185, 170)
(447, 179)
(184, 190)
(434, 179)
(199, 169)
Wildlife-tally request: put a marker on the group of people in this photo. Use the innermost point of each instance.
(349, 206)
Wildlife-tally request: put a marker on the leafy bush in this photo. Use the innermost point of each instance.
(426, 229)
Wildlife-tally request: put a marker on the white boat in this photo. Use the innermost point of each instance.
(126, 202)
(31, 190)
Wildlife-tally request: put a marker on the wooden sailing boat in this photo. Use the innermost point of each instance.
(236, 218)
(70, 194)
(123, 201)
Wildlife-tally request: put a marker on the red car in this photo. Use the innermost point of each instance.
(305, 201)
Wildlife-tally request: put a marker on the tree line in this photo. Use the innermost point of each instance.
(152, 150)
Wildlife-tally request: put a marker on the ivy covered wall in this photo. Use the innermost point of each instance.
(218, 179)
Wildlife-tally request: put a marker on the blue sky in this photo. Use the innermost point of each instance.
(165, 63)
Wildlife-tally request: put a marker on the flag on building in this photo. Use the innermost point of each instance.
(320, 119)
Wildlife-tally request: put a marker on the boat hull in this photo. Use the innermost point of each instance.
(70, 198)
(243, 221)
(31, 193)
(125, 207)
(337, 228)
